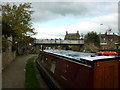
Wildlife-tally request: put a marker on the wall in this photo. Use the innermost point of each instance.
(7, 58)
(8, 55)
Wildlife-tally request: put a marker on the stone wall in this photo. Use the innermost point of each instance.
(7, 58)
(7, 54)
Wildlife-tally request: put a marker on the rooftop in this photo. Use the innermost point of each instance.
(78, 56)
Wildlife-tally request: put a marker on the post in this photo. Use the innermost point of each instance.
(41, 46)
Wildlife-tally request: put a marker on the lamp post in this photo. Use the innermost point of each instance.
(100, 33)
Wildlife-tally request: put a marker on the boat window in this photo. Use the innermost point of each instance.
(53, 65)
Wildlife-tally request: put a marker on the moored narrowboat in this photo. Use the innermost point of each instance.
(69, 69)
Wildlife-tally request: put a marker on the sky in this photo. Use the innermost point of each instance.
(53, 19)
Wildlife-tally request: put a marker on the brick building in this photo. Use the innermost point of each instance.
(108, 41)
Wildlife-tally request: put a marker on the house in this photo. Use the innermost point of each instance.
(73, 36)
(108, 41)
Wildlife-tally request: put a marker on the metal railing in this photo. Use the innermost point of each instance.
(53, 41)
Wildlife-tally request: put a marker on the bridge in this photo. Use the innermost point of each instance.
(58, 42)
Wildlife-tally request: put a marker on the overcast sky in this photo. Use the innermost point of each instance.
(53, 19)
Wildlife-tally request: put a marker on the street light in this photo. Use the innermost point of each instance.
(100, 33)
(100, 27)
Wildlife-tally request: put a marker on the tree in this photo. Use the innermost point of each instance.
(16, 21)
(6, 30)
(92, 37)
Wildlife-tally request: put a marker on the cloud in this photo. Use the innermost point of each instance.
(89, 15)
(84, 26)
(52, 10)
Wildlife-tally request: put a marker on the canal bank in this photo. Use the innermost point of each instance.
(13, 76)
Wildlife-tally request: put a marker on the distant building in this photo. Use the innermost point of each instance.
(73, 36)
(25, 47)
(108, 41)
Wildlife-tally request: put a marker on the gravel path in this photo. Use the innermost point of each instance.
(13, 76)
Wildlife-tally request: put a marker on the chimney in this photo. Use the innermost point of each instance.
(106, 33)
(77, 32)
(66, 32)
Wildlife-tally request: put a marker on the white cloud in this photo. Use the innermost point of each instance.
(90, 16)
(61, 0)
(84, 26)
(52, 10)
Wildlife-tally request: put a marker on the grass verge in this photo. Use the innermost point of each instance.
(30, 75)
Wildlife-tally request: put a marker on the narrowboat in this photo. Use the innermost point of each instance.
(70, 69)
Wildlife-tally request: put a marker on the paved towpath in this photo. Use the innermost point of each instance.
(13, 76)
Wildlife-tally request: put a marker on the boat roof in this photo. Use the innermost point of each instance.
(78, 56)
(96, 58)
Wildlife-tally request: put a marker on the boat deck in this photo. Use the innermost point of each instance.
(78, 56)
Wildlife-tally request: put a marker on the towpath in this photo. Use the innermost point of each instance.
(13, 76)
